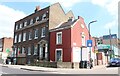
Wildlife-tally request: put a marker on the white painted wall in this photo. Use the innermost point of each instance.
(85, 54)
(76, 54)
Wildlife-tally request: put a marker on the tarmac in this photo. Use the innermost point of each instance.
(101, 69)
(37, 68)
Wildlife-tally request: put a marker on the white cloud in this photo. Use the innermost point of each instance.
(112, 7)
(8, 16)
(111, 24)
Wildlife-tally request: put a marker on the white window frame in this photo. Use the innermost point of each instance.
(30, 35)
(35, 50)
(15, 39)
(43, 16)
(15, 52)
(36, 34)
(57, 42)
(24, 36)
(31, 21)
(16, 27)
(83, 40)
(37, 18)
(23, 50)
(43, 31)
(29, 51)
(20, 36)
(21, 25)
(25, 23)
(61, 55)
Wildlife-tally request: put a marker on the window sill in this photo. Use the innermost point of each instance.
(29, 54)
(59, 44)
(29, 39)
(36, 38)
(42, 36)
(34, 54)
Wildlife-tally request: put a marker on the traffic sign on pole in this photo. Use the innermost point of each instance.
(89, 43)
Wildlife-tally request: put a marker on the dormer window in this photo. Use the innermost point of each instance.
(37, 19)
(44, 16)
(31, 21)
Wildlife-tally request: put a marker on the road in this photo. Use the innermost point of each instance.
(97, 70)
(7, 70)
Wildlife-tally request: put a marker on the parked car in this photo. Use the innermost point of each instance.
(114, 62)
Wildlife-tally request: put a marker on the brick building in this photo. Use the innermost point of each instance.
(31, 34)
(6, 47)
(68, 42)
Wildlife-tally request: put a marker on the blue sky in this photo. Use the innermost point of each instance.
(104, 11)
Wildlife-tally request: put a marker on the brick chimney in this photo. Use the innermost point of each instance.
(79, 17)
(37, 8)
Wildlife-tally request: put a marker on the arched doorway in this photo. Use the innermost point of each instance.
(43, 50)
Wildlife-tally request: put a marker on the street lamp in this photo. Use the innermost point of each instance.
(90, 38)
(89, 26)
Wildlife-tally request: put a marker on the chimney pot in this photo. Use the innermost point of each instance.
(37, 8)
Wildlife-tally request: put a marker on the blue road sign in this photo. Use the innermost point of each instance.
(89, 43)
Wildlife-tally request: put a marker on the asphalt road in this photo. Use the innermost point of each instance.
(7, 70)
(98, 70)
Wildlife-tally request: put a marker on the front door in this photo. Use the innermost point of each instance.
(58, 55)
(42, 52)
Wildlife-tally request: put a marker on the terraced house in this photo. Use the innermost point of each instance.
(31, 34)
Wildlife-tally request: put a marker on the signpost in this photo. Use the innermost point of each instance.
(89, 43)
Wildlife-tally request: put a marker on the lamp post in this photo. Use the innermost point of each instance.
(90, 38)
(89, 26)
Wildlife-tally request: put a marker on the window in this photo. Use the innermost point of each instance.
(83, 39)
(43, 32)
(23, 50)
(24, 36)
(37, 19)
(59, 55)
(20, 25)
(19, 51)
(29, 50)
(31, 21)
(35, 50)
(44, 16)
(30, 35)
(25, 23)
(36, 34)
(16, 27)
(15, 39)
(29, 61)
(15, 52)
(19, 40)
(59, 38)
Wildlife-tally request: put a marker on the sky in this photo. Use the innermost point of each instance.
(104, 11)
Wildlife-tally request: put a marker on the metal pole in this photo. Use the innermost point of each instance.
(90, 36)
(110, 43)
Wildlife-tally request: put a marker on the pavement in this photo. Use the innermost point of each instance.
(36, 68)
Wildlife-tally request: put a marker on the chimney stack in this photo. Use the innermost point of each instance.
(70, 19)
(37, 8)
